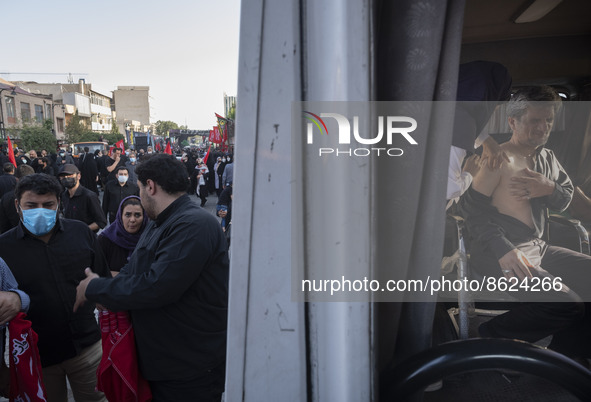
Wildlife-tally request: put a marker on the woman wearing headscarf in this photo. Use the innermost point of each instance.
(119, 239)
(118, 373)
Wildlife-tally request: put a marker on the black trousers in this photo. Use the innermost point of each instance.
(203, 194)
(565, 314)
(207, 387)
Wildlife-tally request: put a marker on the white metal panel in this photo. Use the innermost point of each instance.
(266, 330)
(337, 225)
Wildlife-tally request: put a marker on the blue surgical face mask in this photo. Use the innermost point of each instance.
(39, 221)
(132, 160)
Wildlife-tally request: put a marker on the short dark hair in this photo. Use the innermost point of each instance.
(23, 170)
(8, 167)
(537, 95)
(166, 171)
(86, 149)
(120, 168)
(38, 183)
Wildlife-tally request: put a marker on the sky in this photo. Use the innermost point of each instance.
(186, 51)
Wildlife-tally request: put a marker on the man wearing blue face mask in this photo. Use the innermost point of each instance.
(48, 256)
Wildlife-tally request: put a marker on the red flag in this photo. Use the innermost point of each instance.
(10, 151)
(119, 144)
(26, 377)
(206, 155)
(167, 150)
(118, 375)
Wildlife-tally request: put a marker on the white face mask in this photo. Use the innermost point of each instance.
(122, 179)
(223, 160)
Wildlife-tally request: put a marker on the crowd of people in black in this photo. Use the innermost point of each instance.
(114, 176)
(49, 219)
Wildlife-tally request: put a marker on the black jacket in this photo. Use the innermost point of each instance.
(83, 206)
(176, 289)
(113, 195)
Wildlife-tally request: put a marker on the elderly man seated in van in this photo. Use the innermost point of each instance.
(505, 212)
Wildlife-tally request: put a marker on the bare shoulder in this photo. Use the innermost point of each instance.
(487, 180)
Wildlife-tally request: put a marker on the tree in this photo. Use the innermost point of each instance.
(162, 127)
(38, 137)
(232, 113)
(114, 127)
(89, 136)
(75, 130)
(112, 138)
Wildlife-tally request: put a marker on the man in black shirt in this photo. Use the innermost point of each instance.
(7, 180)
(8, 216)
(175, 287)
(78, 202)
(88, 170)
(48, 256)
(113, 162)
(116, 190)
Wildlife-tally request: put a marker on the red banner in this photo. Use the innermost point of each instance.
(167, 150)
(10, 151)
(223, 126)
(207, 155)
(119, 144)
(215, 137)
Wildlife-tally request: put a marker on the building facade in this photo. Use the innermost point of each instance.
(229, 103)
(19, 106)
(132, 104)
(102, 116)
(93, 108)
